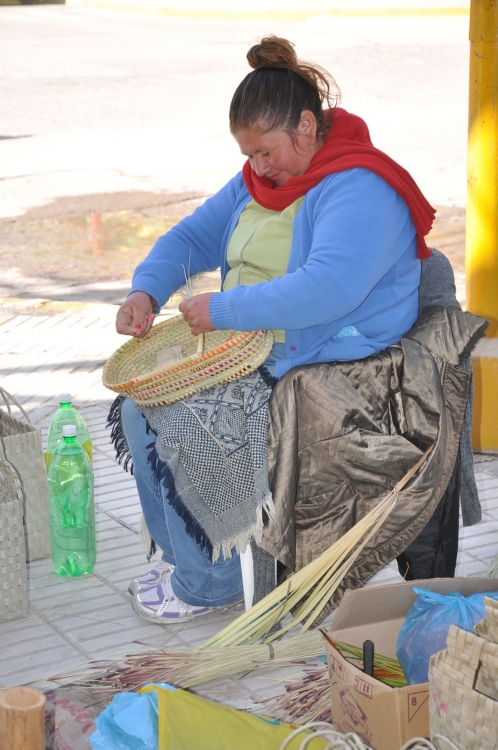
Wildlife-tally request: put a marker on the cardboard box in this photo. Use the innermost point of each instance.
(385, 718)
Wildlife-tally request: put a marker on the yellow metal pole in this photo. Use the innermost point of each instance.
(482, 214)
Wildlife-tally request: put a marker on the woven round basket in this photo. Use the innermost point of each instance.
(136, 369)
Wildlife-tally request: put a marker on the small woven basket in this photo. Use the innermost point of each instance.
(463, 692)
(488, 628)
(13, 573)
(135, 370)
(21, 446)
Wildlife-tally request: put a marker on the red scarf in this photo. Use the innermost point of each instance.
(347, 145)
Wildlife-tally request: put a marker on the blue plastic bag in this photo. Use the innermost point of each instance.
(427, 624)
(129, 723)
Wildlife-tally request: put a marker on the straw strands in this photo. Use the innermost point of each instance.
(308, 697)
(308, 591)
(493, 569)
(186, 668)
(305, 699)
(186, 292)
(386, 669)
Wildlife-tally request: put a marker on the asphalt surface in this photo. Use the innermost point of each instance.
(106, 111)
(100, 102)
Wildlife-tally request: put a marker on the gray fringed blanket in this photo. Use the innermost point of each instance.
(212, 451)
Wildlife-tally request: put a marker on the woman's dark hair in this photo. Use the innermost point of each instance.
(280, 87)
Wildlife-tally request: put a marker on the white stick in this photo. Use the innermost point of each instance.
(247, 565)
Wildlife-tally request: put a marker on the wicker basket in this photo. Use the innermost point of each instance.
(21, 446)
(488, 628)
(212, 358)
(13, 574)
(463, 695)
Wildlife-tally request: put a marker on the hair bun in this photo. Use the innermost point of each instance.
(273, 52)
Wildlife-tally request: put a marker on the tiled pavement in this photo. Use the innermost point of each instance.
(46, 348)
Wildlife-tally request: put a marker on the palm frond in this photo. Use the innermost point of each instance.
(309, 590)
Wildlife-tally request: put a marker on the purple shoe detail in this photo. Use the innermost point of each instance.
(154, 576)
(158, 603)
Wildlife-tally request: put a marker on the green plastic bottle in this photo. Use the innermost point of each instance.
(72, 512)
(66, 414)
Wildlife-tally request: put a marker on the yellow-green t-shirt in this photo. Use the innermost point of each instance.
(260, 246)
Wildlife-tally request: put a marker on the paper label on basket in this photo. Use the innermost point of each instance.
(169, 355)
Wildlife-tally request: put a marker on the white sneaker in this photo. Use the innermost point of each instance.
(155, 576)
(158, 603)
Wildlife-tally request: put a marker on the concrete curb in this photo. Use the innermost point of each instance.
(41, 306)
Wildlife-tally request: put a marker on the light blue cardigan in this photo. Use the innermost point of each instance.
(353, 262)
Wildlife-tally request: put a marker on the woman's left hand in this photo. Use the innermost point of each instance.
(195, 311)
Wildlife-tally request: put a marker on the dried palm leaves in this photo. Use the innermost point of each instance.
(308, 591)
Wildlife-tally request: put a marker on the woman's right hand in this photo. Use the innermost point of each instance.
(135, 316)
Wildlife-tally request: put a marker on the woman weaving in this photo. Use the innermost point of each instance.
(319, 239)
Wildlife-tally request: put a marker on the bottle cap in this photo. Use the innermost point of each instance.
(69, 430)
(65, 398)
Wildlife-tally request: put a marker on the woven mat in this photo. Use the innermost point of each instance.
(70, 719)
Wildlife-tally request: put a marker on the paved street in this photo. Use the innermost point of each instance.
(97, 102)
(121, 118)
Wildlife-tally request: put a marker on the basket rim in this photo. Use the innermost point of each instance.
(194, 368)
(235, 342)
(216, 372)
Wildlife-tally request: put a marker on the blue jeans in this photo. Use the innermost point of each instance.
(195, 580)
